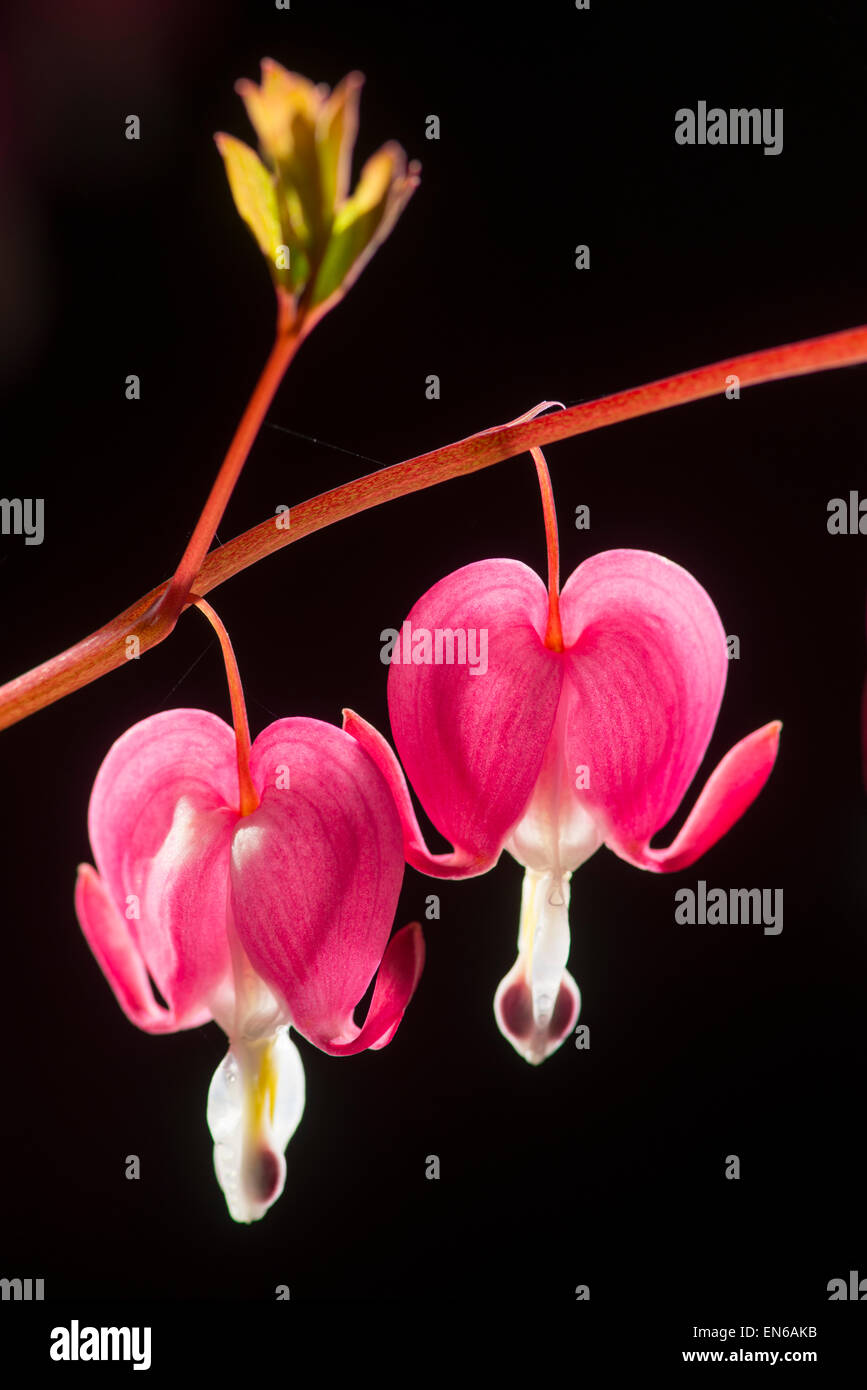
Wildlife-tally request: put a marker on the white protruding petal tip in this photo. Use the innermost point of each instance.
(514, 1012)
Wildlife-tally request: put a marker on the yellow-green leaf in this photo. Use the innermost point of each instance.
(365, 220)
(254, 193)
(336, 131)
(280, 109)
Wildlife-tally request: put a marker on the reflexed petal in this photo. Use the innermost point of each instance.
(473, 741)
(457, 864)
(732, 786)
(398, 976)
(108, 935)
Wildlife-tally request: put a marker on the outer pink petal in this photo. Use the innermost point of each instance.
(731, 788)
(395, 985)
(646, 663)
(161, 818)
(473, 744)
(316, 874)
(109, 937)
(458, 864)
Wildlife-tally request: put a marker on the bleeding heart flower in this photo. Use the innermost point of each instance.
(271, 916)
(586, 728)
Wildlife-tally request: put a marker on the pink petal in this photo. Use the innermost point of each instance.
(731, 788)
(316, 872)
(398, 976)
(646, 666)
(110, 940)
(457, 864)
(472, 743)
(161, 817)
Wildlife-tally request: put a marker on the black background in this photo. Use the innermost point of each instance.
(603, 1167)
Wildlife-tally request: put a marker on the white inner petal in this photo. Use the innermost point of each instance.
(556, 833)
(543, 939)
(255, 1103)
(554, 838)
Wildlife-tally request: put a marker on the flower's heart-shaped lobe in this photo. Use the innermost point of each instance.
(308, 883)
(646, 671)
(316, 873)
(161, 817)
(472, 741)
(646, 667)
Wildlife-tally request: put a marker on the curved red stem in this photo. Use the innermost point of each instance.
(554, 630)
(248, 795)
(105, 650)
